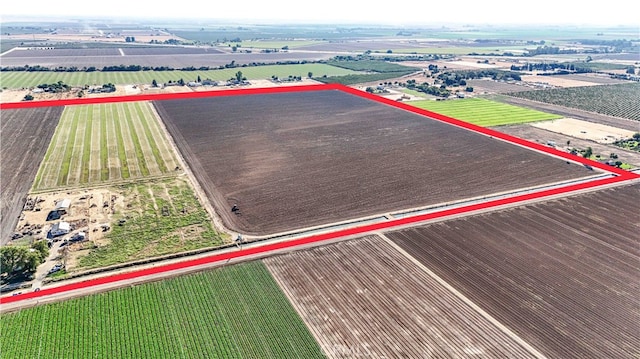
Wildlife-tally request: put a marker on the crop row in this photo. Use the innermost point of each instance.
(20, 79)
(484, 112)
(232, 312)
(95, 143)
(613, 100)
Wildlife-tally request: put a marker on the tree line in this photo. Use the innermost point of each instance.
(135, 68)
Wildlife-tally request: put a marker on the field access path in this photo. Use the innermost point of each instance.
(252, 251)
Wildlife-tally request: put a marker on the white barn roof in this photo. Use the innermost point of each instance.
(64, 204)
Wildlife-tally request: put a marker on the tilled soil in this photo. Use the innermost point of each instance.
(24, 140)
(562, 274)
(298, 159)
(362, 298)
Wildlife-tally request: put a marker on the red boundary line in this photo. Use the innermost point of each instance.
(621, 175)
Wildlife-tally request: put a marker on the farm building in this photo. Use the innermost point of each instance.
(62, 207)
(59, 229)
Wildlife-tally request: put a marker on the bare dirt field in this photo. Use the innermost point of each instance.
(487, 86)
(599, 79)
(48, 52)
(562, 274)
(557, 81)
(25, 135)
(92, 36)
(539, 135)
(295, 159)
(362, 298)
(112, 51)
(585, 130)
(170, 60)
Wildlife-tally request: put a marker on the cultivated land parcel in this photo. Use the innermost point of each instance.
(16, 79)
(484, 112)
(235, 312)
(25, 136)
(105, 142)
(298, 159)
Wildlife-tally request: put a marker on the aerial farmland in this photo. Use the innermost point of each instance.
(281, 191)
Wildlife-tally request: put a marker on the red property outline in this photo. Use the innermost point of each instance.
(620, 176)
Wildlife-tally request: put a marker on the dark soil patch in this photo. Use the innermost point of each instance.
(299, 159)
(562, 274)
(24, 140)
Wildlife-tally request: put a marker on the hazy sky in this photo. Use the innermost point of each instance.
(394, 12)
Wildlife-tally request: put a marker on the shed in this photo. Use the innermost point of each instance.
(63, 206)
(59, 229)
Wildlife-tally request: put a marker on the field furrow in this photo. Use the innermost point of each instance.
(77, 155)
(152, 153)
(116, 158)
(86, 151)
(63, 173)
(95, 147)
(399, 312)
(554, 272)
(156, 128)
(145, 158)
(45, 171)
(132, 168)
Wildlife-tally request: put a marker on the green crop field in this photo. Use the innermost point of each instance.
(484, 112)
(22, 79)
(105, 142)
(233, 312)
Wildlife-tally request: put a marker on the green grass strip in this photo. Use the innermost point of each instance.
(122, 154)
(63, 174)
(86, 153)
(142, 162)
(104, 150)
(50, 149)
(145, 118)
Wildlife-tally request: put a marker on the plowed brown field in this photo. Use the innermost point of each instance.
(298, 159)
(362, 298)
(25, 135)
(562, 274)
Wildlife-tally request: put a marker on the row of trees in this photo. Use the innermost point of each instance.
(550, 67)
(112, 68)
